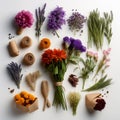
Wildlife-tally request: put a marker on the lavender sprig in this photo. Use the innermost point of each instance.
(15, 72)
(40, 18)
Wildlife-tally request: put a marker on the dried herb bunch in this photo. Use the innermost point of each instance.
(40, 18)
(74, 98)
(108, 25)
(76, 22)
(15, 71)
(96, 26)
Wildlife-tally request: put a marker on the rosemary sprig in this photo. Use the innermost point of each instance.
(40, 18)
(103, 82)
(96, 26)
(108, 28)
(15, 72)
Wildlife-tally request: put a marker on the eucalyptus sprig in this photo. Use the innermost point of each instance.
(108, 27)
(101, 83)
(96, 26)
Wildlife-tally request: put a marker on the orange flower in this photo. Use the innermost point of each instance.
(45, 43)
(53, 56)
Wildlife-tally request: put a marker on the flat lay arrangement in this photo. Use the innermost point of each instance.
(58, 61)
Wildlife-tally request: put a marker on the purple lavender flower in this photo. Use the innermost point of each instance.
(76, 21)
(24, 19)
(56, 19)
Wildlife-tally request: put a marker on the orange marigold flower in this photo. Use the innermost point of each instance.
(45, 43)
(53, 56)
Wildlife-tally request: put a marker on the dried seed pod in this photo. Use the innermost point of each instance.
(13, 49)
(31, 79)
(29, 59)
(73, 80)
(45, 92)
(26, 42)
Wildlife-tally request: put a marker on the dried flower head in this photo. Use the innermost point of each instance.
(76, 21)
(56, 20)
(24, 19)
(73, 80)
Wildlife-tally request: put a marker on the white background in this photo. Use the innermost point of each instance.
(8, 10)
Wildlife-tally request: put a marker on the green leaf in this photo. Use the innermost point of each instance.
(100, 84)
(56, 70)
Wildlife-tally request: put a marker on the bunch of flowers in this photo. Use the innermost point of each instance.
(89, 65)
(55, 62)
(23, 19)
(73, 48)
(104, 62)
(56, 20)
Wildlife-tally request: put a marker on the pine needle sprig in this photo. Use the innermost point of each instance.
(15, 72)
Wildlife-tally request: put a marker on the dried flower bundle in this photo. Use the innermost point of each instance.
(40, 18)
(15, 72)
(74, 98)
(94, 102)
(55, 63)
(56, 20)
(74, 48)
(76, 22)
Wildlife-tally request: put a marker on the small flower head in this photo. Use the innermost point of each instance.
(66, 42)
(56, 19)
(24, 19)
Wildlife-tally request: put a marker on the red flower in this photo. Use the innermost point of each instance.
(53, 56)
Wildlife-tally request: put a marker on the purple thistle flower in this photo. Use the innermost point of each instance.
(24, 19)
(56, 19)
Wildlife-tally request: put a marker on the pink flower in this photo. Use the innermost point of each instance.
(24, 19)
(96, 56)
(90, 53)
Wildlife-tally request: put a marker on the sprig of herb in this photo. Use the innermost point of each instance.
(40, 18)
(108, 28)
(15, 71)
(103, 82)
(89, 65)
(96, 26)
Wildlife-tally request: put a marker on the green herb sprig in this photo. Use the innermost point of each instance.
(103, 82)
(108, 23)
(89, 65)
(96, 26)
